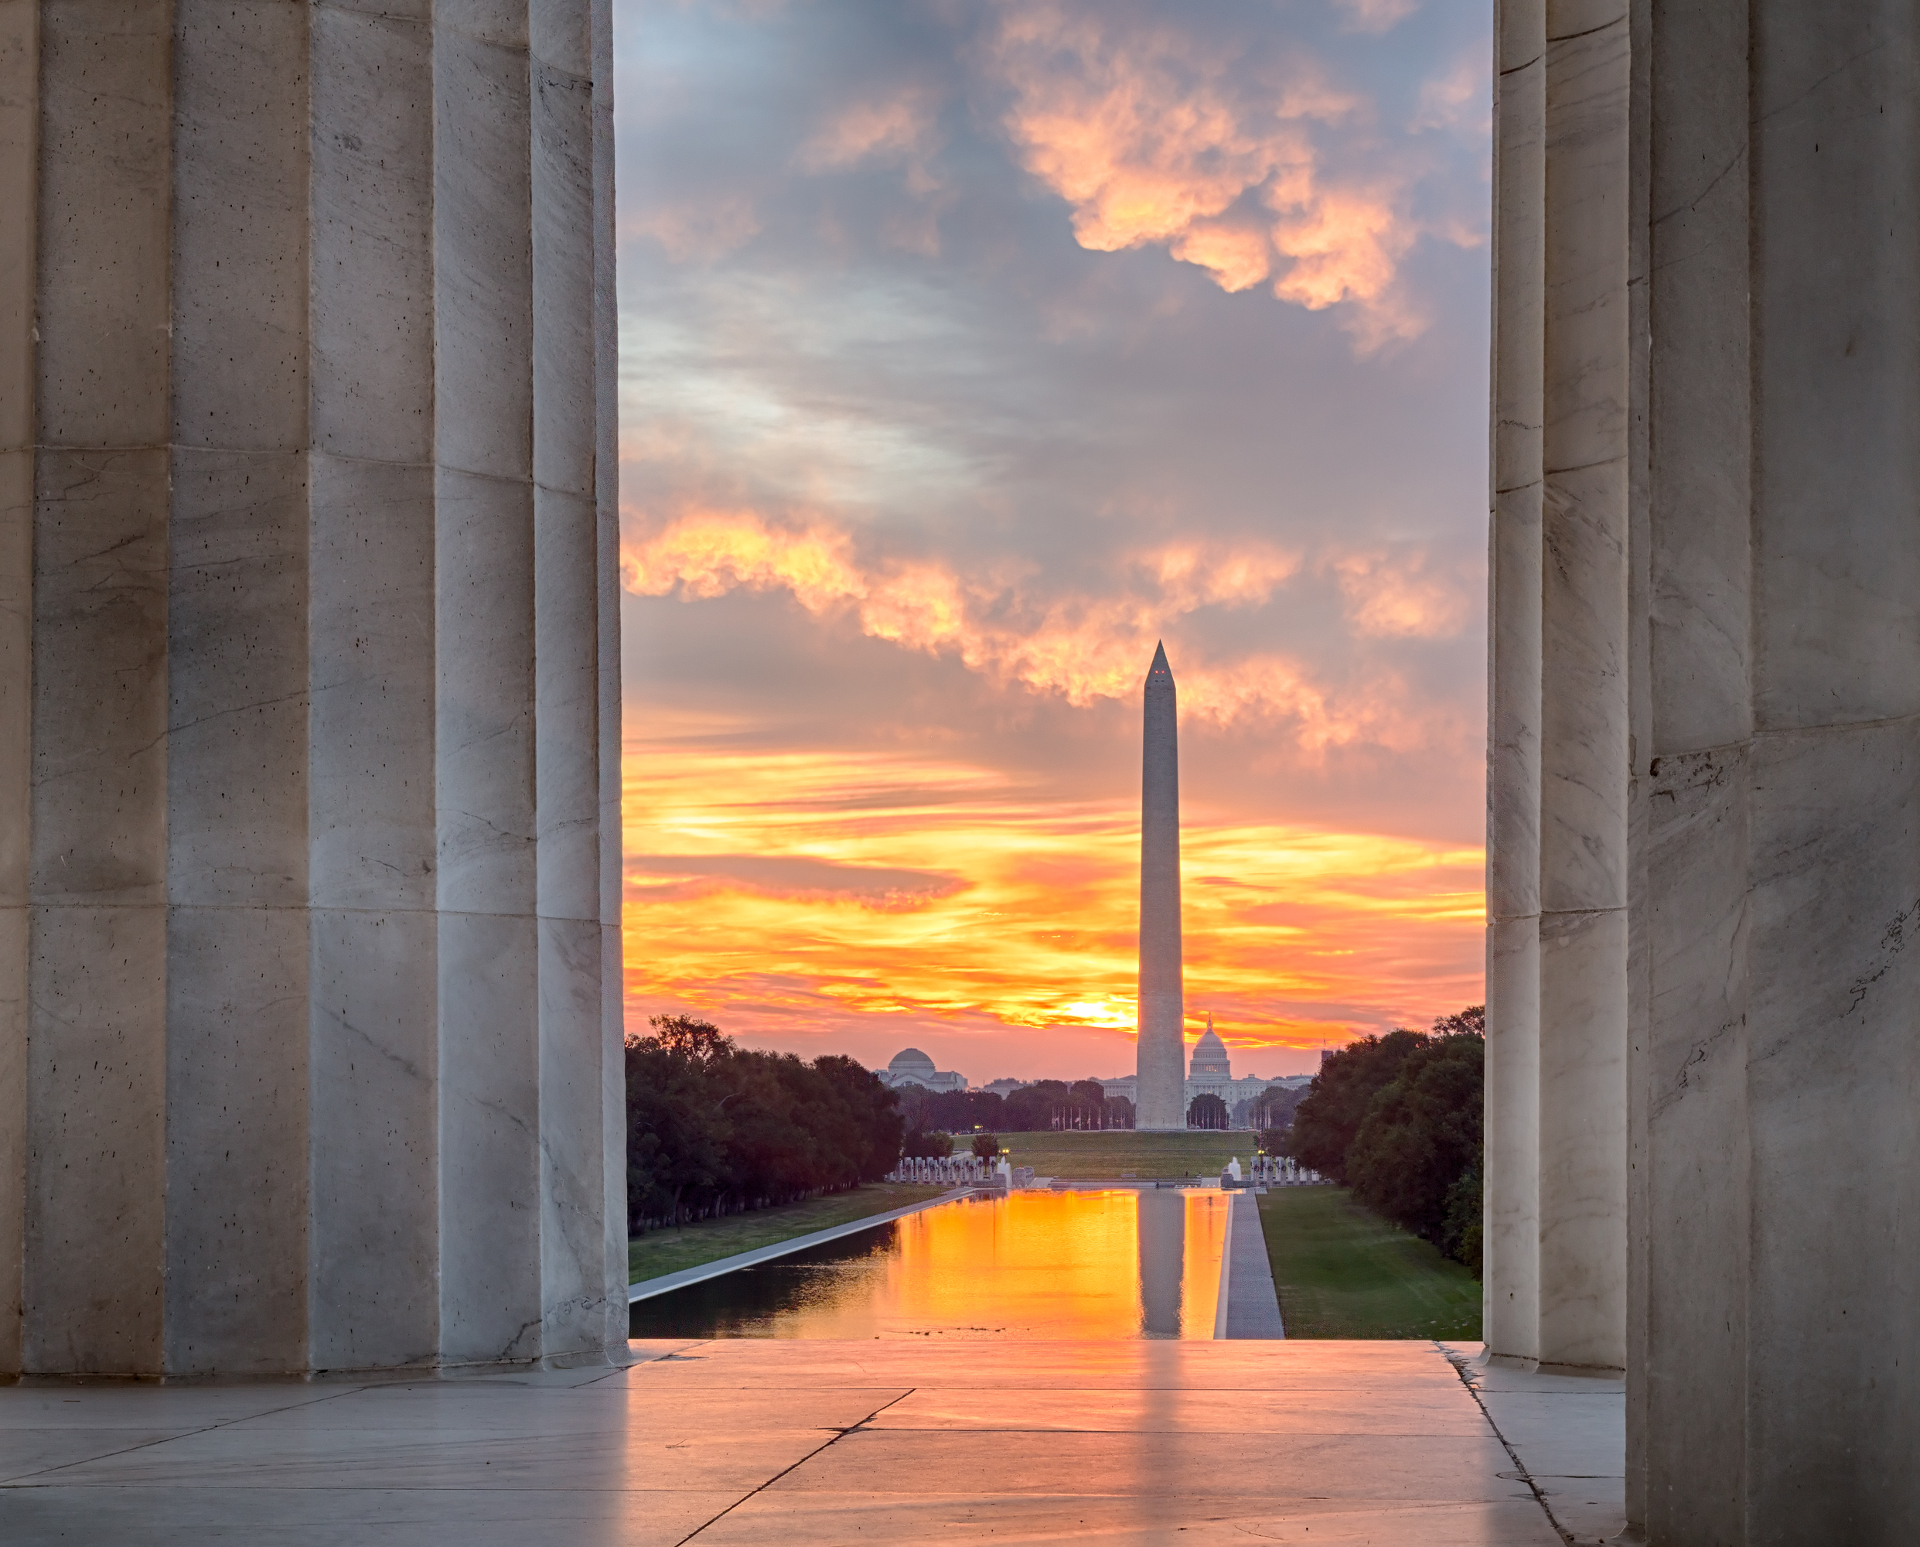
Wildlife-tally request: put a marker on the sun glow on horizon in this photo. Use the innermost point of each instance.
(794, 891)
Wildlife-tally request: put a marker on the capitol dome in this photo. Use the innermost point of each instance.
(910, 1061)
(1210, 1056)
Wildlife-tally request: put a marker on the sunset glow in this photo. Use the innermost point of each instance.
(967, 354)
(778, 892)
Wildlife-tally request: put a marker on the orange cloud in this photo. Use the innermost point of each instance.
(1010, 906)
(1080, 647)
(1387, 599)
(1138, 130)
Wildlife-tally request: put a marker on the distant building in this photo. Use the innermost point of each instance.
(1005, 1087)
(1210, 1070)
(910, 1066)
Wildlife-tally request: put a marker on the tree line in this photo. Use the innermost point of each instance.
(1041, 1107)
(1398, 1119)
(713, 1128)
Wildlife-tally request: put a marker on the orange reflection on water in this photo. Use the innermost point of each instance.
(1116, 1264)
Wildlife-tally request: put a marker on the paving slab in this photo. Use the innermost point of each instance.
(762, 1441)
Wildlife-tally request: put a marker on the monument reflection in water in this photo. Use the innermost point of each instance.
(1072, 1265)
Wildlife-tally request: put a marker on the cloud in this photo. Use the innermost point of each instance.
(1154, 137)
(1461, 97)
(1078, 643)
(795, 878)
(1399, 598)
(1377, 15)
(1023, 910)
(896, 129)
(701, 231)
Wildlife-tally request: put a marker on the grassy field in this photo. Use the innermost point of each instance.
(668, 1251)
(1118, 1151)
(1344, 1273)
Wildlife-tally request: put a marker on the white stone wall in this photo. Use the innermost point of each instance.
(308, 686)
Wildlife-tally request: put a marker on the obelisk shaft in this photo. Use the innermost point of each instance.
(1160, 1088)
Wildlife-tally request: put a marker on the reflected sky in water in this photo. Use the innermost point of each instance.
(1069, 1265)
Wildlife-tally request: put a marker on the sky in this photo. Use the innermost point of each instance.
(968, 348)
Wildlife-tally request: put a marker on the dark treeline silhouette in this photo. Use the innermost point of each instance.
(1398, 1119)
(1042, 1107)
(1207, 1110)
(715, 1129)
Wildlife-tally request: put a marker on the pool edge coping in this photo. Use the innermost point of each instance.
(666, 1283)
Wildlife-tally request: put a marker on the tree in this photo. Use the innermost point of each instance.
(1207, 1111)
(986, 1146)
(1329, 1117)
(1031, 1109)
(1421, 1135)
(875, 1112)
(1274, 1107)
(713, 1128)
(1119, 1112)
(919, 1145)
(677, 1128)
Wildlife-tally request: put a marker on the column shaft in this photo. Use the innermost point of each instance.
(1584, 755)
(1833, 995)
(19, 153)
(1511, 1267)
(567, 548)
(308, 565)
(489, 1072)
(237, 749)
(96, 1048)
(606, 495)
(1696, 768)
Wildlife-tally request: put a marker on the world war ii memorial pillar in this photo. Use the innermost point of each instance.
(1160, 1086)
(310, 1050)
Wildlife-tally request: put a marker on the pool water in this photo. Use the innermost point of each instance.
(1123, 1263)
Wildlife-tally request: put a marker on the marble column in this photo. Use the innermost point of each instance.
(309, 648)
(1558, 745)
(1766, 254)
(1782, 846)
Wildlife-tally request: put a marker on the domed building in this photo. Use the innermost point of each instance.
(1211, 1071)
(910, 1066)
(1210, 1057)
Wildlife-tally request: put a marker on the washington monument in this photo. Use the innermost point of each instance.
(1160, 1086)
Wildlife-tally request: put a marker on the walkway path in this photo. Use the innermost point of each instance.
(720, 1444)
(1249, 1304)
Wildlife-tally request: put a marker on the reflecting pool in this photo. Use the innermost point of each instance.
(1113, 1264)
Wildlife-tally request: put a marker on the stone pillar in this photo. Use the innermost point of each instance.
(1558, 754)
(310, 647)
(1782, 830)
(1770, 259)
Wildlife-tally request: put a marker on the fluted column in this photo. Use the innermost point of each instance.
(1782, 850)
(312, 624)
(1558, 748)
(1511, 1269)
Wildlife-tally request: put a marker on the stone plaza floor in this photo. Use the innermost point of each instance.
(800, 1443)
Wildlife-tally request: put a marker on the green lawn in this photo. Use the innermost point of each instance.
(1343, 1272)
(1118, 1151)
(668, 1251)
